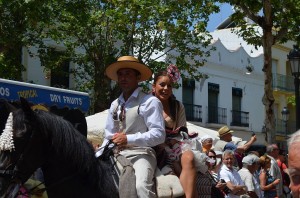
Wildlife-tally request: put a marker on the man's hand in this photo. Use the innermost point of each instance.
(120, 139)
(253, 138)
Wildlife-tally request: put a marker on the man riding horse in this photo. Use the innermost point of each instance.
(135, 121)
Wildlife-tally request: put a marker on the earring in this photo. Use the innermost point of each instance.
(153, 91)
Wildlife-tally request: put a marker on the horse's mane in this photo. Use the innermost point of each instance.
(69, 143)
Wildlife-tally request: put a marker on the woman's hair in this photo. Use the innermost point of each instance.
(173, 103)
(159, 74)
(212, 151)
(264, 160)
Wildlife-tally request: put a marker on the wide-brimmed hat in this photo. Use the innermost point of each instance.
(128, 62)
(224, 130)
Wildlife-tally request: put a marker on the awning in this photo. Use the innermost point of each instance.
(39, 94)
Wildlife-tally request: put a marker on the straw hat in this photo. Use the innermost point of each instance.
(224, 130)
(128, 62)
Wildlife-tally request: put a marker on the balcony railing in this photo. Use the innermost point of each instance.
(216, 115)
(283, 82)
(240, 118)
(193, 112)
(281, 129)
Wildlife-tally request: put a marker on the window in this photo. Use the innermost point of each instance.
(60, 75)
(237, 95)
(213, 94)
(188, 87)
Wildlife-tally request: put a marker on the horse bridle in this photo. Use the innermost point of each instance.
(13, 173)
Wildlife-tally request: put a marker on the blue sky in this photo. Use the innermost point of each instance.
(216, 19)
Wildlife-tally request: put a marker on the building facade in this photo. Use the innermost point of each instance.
(232, 94)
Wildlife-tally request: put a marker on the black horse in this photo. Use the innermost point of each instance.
(44, 140)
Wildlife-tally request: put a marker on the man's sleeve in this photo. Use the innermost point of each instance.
(109, 126)
(224, 175)
(249, 183)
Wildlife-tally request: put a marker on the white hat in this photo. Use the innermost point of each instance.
(250, 159)
(205, 137)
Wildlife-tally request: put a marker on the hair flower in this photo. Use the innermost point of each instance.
(173, 73)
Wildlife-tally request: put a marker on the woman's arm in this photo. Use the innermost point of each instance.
(263, 181)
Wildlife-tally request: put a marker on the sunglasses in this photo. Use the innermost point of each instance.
(212, 156)
(121, 116)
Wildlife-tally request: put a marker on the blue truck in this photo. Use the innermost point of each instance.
(48, 96)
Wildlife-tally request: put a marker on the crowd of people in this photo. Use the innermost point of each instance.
(150, 131)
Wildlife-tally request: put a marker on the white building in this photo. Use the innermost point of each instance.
(232, 95)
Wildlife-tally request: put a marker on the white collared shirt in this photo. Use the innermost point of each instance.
(230, 175)
(151, 110)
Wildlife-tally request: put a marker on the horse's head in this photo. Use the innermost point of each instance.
(21, 150)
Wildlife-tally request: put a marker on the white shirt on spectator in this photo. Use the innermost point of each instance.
(230, 175)
(247, 178)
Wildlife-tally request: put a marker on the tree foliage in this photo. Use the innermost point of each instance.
(94, 33)
(279, 21)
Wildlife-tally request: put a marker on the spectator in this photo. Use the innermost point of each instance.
(214, 168)
(225, 143)
(294, 165)
(232, 178)
(206, 142)
(258, 191)
(268, 183)
(225, 135)
(273, 152)
(281, 159)
(247, 174)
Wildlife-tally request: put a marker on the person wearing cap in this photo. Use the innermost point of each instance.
(231, 177)
(206, 142)
(135, 122)
(250, 165)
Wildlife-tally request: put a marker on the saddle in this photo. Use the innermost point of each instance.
(124, 177)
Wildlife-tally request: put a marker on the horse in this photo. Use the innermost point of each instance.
(40, 139)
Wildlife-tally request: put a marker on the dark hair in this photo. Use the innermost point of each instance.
(173, 103)
(212, 151)
(159, 74)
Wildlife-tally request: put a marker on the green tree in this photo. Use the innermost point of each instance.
(19, 27)
(279, 21)
(96, 32)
